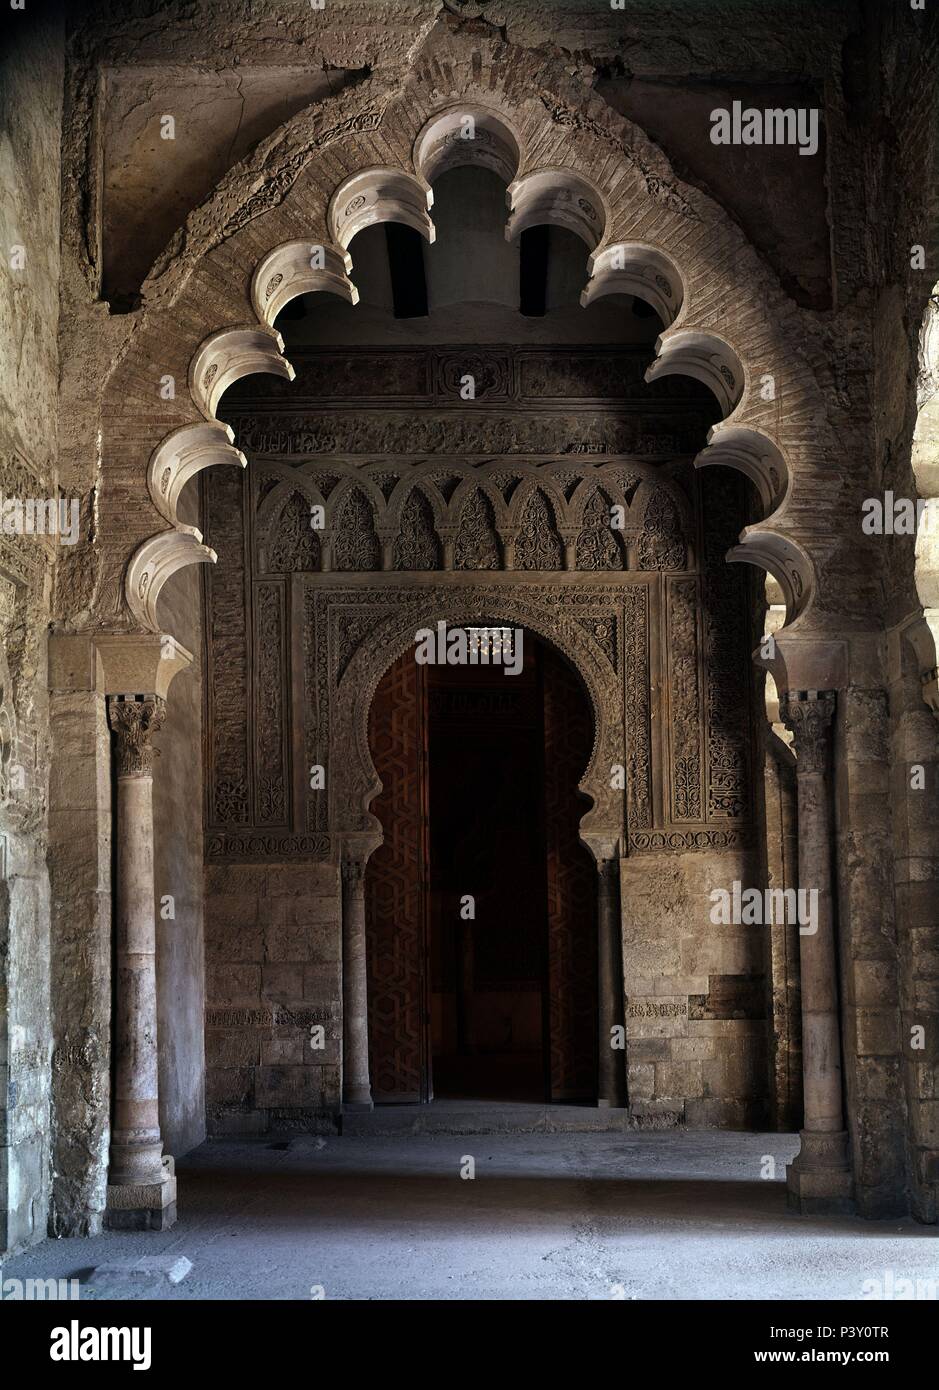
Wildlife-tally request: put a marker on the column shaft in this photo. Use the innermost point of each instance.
(820, 1176)
(141, 1185)
(611, 1070)
(356, 1089)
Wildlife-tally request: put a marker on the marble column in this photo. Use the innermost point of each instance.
(820, 1178)
(356, 1089)
(141, 1181)
(611, 1080)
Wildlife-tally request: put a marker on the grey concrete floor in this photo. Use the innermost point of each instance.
(676, 1215)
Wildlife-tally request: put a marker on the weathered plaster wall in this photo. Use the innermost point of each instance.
(151, 180)
(778, 195)
(31, 74)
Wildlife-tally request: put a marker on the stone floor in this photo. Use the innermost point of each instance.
(548, 1216)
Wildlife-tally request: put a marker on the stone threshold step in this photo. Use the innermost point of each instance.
(440, 1118)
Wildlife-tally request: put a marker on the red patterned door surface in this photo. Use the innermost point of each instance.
(396, 889)
(572, 889)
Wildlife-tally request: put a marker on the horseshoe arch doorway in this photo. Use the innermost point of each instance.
(481, 902)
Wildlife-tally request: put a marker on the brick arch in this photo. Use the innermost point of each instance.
(651, 235)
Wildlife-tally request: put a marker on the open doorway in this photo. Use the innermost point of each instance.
(481, 901)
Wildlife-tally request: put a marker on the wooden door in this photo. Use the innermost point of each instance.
(571, 1014)
(397, 896)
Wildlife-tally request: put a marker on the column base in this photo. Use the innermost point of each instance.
(358, 1100)
(820, 1181)
(148, 1206)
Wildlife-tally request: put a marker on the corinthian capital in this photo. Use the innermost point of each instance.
(809, 714)
(135, 719)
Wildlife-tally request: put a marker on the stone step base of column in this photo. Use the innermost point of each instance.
(820, 1180)
(480, 1117)
(149, 1206)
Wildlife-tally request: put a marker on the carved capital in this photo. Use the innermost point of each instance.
(135, 719)
(608, 871)
(809, 714)
(353, 875)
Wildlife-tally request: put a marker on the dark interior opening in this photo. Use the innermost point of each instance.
(482, 900)
(406, 269)
(487, 844)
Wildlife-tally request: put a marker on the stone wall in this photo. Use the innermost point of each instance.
(80, 877)
(273, 957)
(31, 76)
(875, 67)
(696, 1034)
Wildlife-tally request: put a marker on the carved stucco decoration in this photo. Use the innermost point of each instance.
(548, 516)
(8, 721)
(578, 433)
(810, 715)
(350, 635)
(355, 782)
(691, 622)
(294, 541)
(580, 165)
(477, 543)
(135, 720)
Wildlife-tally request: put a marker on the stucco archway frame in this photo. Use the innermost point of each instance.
(538, 609)
(389, 613)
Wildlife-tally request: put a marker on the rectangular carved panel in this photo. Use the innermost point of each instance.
(684, 706)
(727, 643)
(638, 729)
(226, 655)
(271, 756)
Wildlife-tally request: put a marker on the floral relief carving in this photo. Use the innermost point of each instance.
(539, 545)
(416, 546)
(230, 801)
(293, 542)
(269, 706)
(599, 547)
(726, 634)
(638, 729)
(684, 705)
(477, 543)
(477, 432)
(661, 542)
(356, 545)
